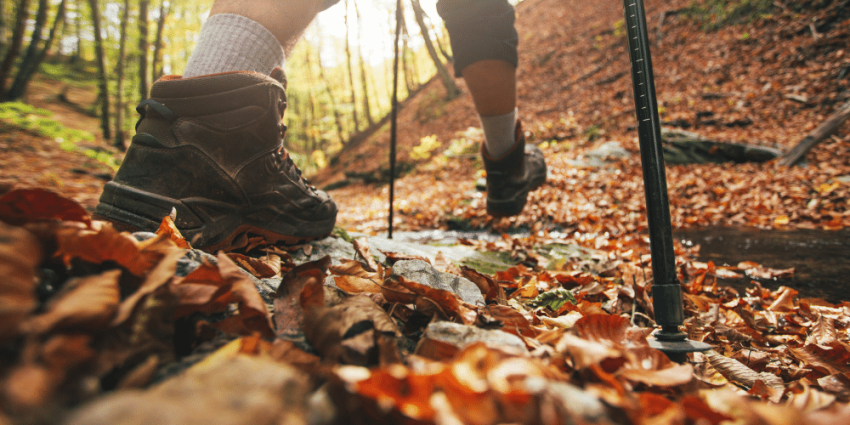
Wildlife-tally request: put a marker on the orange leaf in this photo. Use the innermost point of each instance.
(22, 206)
(103, 243)
(167, 227)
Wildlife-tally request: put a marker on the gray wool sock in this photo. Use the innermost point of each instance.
(499, 132)
(234, 43)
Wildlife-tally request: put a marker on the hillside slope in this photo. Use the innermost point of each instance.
(765, 80)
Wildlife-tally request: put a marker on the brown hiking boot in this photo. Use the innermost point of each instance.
(511, 176)
(211, 148)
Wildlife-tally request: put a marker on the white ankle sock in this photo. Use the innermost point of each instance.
(234, 43)
(499, 132)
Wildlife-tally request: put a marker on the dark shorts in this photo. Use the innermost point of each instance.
(478, 29)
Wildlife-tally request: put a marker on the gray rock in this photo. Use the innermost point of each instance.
(605, 154)
(422, 272)
(336, 247)
(462, 335)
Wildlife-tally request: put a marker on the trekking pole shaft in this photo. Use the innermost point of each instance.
(394, 117)
(667, 294)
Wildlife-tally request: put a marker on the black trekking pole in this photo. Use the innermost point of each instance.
(394, 115)
(666, 291)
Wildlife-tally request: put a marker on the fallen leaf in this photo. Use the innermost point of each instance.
(167, 227)
(87, 303)
(21, 206)
(352, 278)
(361, 247)
(288, 314)
(20, 255)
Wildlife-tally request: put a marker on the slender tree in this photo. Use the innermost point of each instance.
(350, 70)
(35, 55)
(103, 82)
(78, 27)
(366, 107)
(2, 23)
(451, 88)
(156, 67)
(15, 47)
(144, 46)
(119, 84)
(329, 93)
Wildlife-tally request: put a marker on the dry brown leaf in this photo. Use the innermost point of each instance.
(21, 206)
(253, 315)
(256, 266)
(834, 357)
(652, 367)
(784, 301)
(351, 277)
(103, 243)
(159, 276)
(602, 328)
(348, 332)
(361, 247)
(838, 384)
(88, 303)
(740, 374)
(696, 409)
(432, 301)
(823, 332)
(288, 314)
(20, 255)
(806, 399)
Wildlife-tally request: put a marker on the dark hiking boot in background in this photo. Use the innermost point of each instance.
(511, 176)
(211, 148)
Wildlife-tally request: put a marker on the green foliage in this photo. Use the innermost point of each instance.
(467, 142)
(713, 14)
(427, 145)
(82, 74)
(554, 299)
(39, 121)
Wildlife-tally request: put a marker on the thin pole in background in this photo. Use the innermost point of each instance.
(394, 114)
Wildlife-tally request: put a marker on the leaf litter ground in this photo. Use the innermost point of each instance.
(149, 325)
(101, 326)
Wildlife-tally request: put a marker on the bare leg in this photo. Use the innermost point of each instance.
(285, 19)
(492, 84)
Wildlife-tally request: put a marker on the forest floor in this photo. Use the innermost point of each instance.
(112, 314)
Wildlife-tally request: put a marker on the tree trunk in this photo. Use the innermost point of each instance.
(29, 58)
(78, 27)
(156, 66)
(337, 117)
(817, 135)
(144, 46)
(350, 71)
(2, 24)
(405, 62)
(15, 47)
(119, 85)
(103, 82)
(451, 88)
(34, 57)
(366, 107)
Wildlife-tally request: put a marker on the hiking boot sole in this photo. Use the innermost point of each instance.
(206, 224)
(510, 207)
